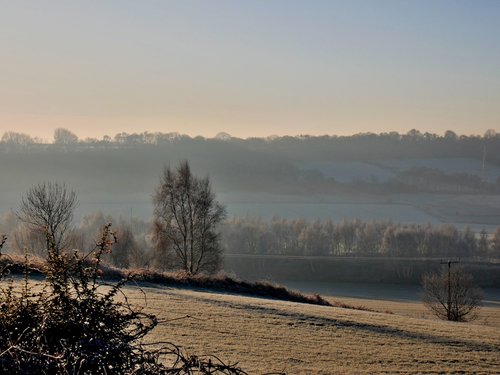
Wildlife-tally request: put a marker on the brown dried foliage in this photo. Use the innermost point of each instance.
(70, 324)
(452, 295)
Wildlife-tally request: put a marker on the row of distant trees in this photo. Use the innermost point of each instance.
(274, 164)
(367, 146)
(66, 136)
(141, 243)
(16, 140)
(356, 238)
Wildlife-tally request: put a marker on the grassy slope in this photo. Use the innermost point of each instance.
(488, 315)
(219, 282)
(264, 335)
(269, 335)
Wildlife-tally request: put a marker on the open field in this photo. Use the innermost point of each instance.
(488, 315)
(266, 335)
(461, 210)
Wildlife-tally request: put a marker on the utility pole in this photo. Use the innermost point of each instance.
(448, 310)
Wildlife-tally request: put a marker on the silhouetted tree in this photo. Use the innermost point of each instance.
(186, 219)
(17, 141)
(49, 207)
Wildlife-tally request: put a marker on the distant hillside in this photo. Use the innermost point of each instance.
(400, 177)
(132, 162)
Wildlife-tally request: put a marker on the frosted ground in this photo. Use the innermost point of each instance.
(265, 335)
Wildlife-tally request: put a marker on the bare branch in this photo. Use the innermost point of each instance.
(49, 207)
(452, 295)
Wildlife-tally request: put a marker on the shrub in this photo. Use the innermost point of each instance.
(452, 294)
(71, 323)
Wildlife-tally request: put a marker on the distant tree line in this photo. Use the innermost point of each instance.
(253, 164)
(362, 146)
(356, 238)
(137, 245)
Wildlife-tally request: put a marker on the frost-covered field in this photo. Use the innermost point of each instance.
(272, 336)
(265, 335)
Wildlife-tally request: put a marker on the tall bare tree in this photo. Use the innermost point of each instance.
(49, 207)
(187, 216)
(452, 294)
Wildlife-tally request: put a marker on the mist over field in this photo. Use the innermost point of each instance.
(409, 178)
(249, 187)
(361, 195)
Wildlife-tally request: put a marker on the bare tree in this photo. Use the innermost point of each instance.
(17, 141)
(49, 207)
(65, 137)
(186, 220)
(452, 294)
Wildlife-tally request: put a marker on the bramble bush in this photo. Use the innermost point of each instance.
(72, 323)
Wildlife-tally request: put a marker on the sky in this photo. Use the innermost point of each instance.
(249, 68)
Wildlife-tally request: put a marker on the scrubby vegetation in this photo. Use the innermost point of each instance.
(452, 294)
(72, 323)
(228, 284)
(219, 282)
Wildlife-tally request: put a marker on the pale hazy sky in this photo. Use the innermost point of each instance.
(249, 68)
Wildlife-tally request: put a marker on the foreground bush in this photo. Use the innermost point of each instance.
(71, 323)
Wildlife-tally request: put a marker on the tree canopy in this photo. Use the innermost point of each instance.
(187, 216)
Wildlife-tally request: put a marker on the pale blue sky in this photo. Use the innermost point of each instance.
(249, 68)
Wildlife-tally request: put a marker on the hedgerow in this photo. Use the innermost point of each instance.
(71, 322)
